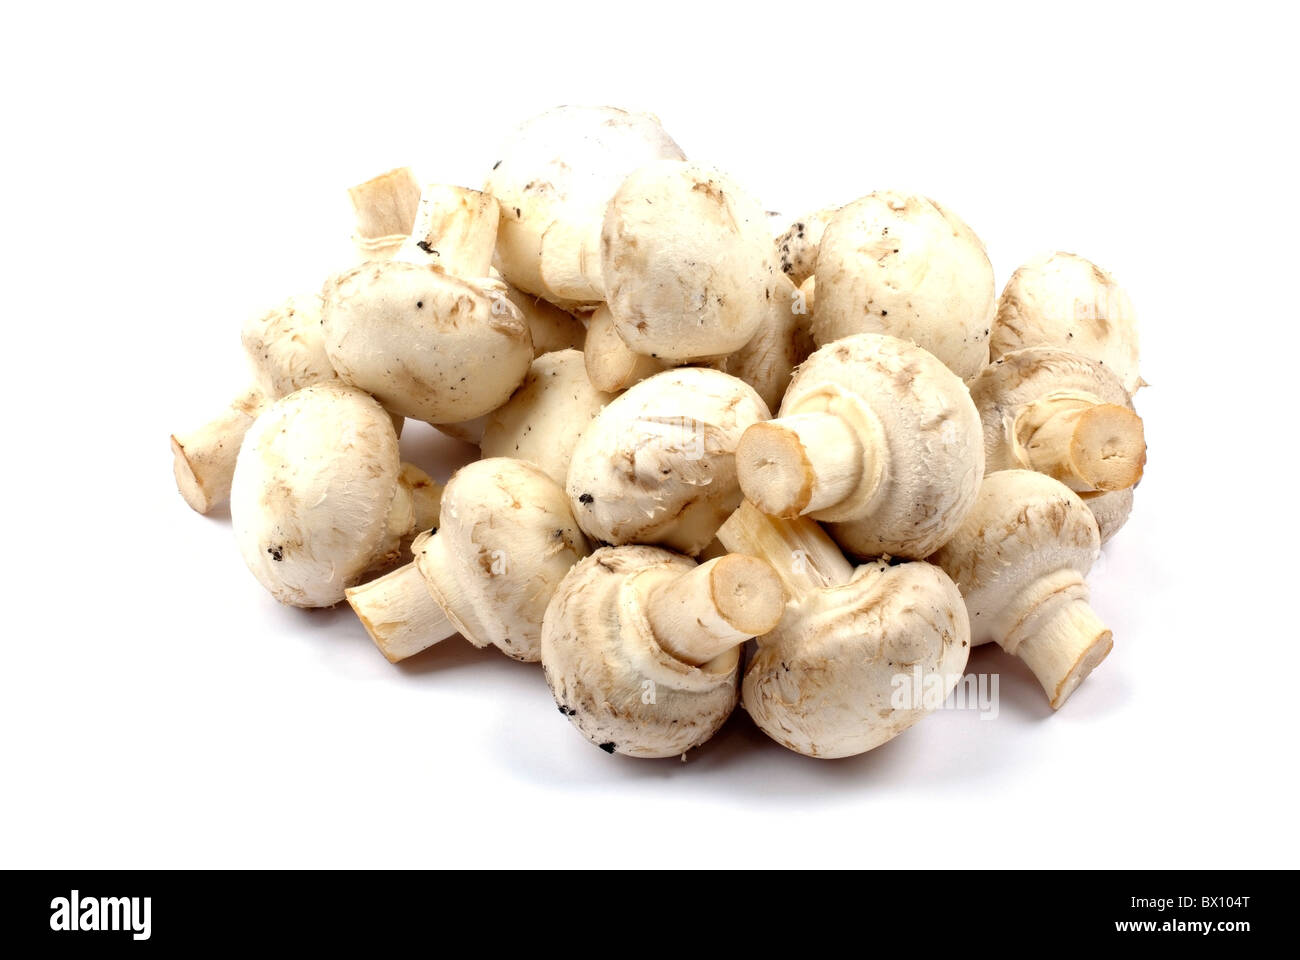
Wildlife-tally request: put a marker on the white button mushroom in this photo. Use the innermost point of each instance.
(1062, 300)
(426, 345)
(1061, 414)
(1020, 559)
(544, 419)
(286, 352)
(384, 209)
(799, 244)
(640, 646)
(901, 264)
(876, 436)
(320, 496)
(554, 178)
(506, 541)
(688, 263)
(860, 655)
(657, 465)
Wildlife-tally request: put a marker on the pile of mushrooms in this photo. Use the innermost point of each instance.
(719, 466)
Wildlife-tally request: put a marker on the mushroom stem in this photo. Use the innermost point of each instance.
(384, 208)
(455, 229)
(799, 464)
(417, 505)
(801, 552)
(399, 613)
(1087, 446)
(611, 364)
(203, 460)
(1056, 633)
(717, 606)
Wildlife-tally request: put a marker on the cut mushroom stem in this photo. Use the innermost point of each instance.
(384, 209)
(400, 614)
(718, 605)
(799, 551)
(203, 460)
(1057, 635)
(1089, 447)
(799, 464)
(455, 230)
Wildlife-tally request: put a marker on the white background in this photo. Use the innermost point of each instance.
(168, 170)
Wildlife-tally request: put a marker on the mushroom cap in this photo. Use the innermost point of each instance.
(688, 262)
(506, 540)
(931, 429)
(782, 342)
(425, 344)
(286, 348)
(1062, 300)
(555, 176)
(823, 682)
(607, 672)
(543, 420)
(313, 485)
(1023, 527)
(1015, 380)
(1111, 510)
(798, 245)
(657, 465)
(900, 264)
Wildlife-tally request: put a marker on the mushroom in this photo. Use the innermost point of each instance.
(874, 436)
(427, 345)
(286, 352)
(1062, 300)
(320, 496)
(640, 646)
(688, 264)
(860, 655)
(506, 541)
(384, 210)
(1061, 414)
(611, 364)
(1020, 558)
(554, 178)
(543, 419)
(782, 342)
(901, 264)
(656, 466)
(799, 243)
